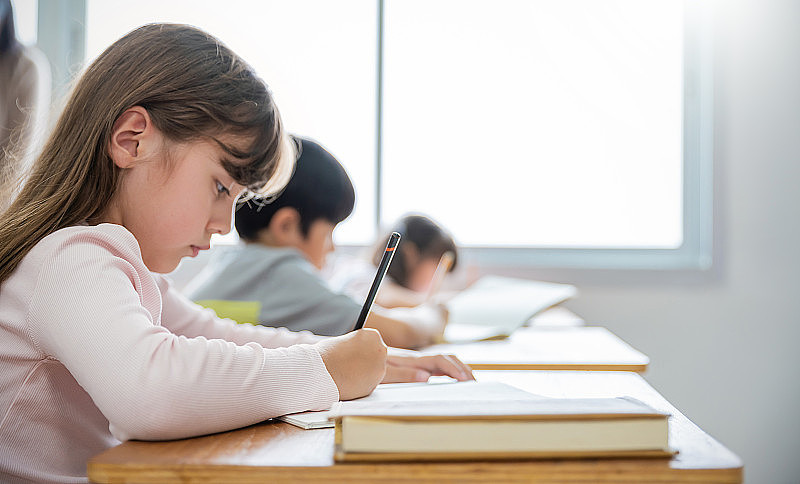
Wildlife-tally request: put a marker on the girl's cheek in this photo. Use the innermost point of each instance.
(419, 281)
(423, 275)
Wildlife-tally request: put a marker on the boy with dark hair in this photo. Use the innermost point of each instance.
(273, 278)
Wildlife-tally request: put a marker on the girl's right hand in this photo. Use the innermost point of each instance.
(356, 361)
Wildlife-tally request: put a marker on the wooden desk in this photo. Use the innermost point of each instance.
(550, 348)
(279, 452)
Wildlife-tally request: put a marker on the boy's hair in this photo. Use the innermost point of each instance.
(429, 238)
(318, 189)
(192, 86)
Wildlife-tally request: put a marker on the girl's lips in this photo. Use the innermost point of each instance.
(196, 249)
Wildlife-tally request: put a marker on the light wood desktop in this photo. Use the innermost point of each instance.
(279, 452)
(550, 348)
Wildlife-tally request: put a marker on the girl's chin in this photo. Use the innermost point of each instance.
(164, 267)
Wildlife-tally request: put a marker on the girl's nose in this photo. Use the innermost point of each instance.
(221, 221)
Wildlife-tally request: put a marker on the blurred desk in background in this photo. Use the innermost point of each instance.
(550, 348)
(556, 316)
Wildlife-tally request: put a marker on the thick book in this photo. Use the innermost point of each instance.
(510, 429)
(494, 306)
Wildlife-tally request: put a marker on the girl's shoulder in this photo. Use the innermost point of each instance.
(79, 262)
(110, 236)
(87, 241)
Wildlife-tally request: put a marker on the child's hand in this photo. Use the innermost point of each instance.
(356, 361)
(427, 321)
(412, 368)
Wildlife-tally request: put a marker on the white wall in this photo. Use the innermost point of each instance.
(725, 346)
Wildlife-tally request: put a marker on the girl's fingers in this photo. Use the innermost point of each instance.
(404, 374)
(447, 365)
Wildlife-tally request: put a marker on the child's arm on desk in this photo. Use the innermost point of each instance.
(409, 327)
(392, 295)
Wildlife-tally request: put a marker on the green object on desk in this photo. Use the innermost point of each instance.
(239, 311)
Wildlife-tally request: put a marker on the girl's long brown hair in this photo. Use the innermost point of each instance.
(192, 86)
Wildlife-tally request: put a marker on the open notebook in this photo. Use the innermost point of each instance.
(418, 392)
(494, 306)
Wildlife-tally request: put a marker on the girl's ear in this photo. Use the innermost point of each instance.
(284, 227)
(132, 137)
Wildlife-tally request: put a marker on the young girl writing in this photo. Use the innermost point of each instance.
(163, 133)
(428, 247)
(426, 254)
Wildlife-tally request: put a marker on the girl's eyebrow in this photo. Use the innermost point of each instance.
(223, 160)
(233, 181)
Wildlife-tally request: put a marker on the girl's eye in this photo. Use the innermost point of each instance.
(222, 189)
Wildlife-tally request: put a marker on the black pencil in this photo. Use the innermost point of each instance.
(394, 239)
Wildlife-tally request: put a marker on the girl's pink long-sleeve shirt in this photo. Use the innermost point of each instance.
(95, 349)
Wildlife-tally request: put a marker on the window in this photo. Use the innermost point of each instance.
(25, 16)
(555, 133)
(554, 127)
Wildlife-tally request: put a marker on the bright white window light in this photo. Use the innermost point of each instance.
(515, 123)
(554, 123)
